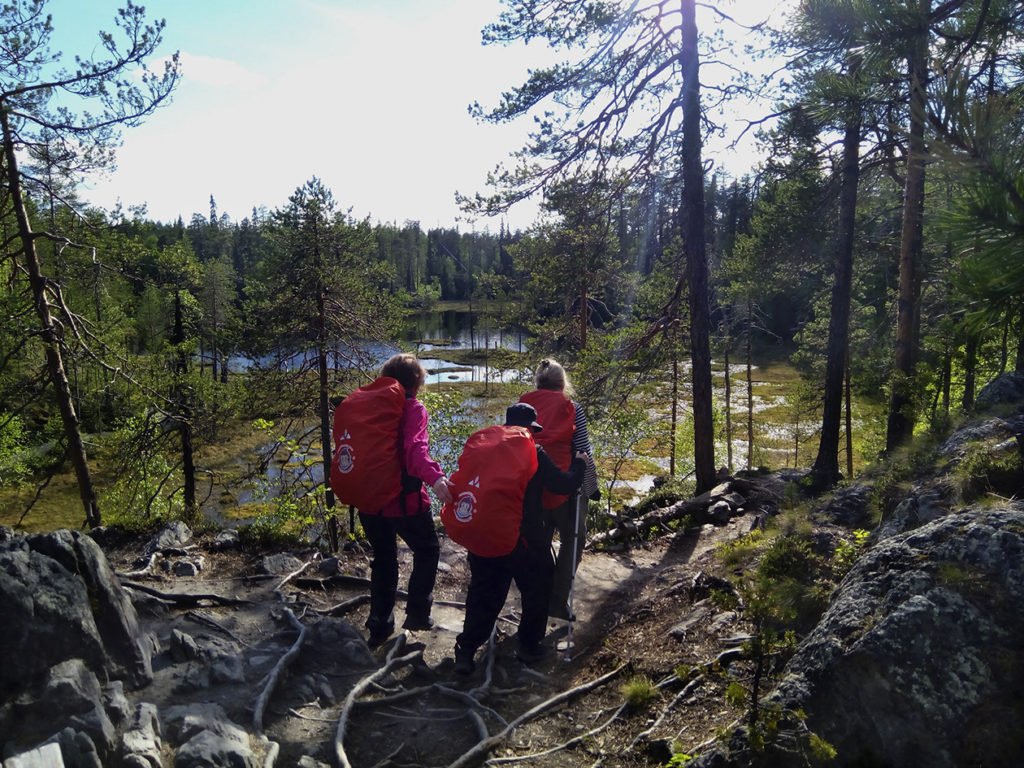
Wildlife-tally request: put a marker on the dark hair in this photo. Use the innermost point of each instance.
(407, 370)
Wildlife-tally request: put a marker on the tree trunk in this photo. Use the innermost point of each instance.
(584, 313)
(849, 416)
(324, 408)
(901, 419)
(825, 471)
(696, 255)
(728, 404)
(970, 372)
(1019, 365)
(188, 466)
(750, 385)
(49, 333)
(675, 408)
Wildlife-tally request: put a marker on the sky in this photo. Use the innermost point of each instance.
(370, 96)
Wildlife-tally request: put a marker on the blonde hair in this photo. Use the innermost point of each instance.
(551, 375)
(407, 370)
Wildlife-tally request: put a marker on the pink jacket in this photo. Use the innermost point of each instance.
(416, 461)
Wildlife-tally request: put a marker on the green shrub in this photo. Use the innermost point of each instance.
(789, 556)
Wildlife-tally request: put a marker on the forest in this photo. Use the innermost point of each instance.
(878, 249)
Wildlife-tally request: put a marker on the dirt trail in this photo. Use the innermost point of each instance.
(627, 604)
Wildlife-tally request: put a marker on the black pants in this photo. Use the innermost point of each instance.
(490, 578)
(417, 531)
(563, 519)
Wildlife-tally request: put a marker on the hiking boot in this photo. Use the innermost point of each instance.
(531, 653)
(464, 661)
(418, 624)
(379, 634)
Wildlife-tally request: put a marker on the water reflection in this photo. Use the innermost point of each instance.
(458, 329)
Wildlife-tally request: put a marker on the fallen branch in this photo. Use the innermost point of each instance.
(184, 599)
(641, 527)
(479, 751)
(392, 663)
(282, 664)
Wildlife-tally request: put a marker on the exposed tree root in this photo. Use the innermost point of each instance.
(289, 577)
(283, 663)
(210, 622)
(570, 744)
(345, 606)
(392, 663)
(480, 751)
(145, 570)
(183, 599)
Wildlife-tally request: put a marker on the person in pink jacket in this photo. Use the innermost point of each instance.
(407, 516)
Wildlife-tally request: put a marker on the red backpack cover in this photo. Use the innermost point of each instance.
(366, 470)
(557, 414)
(486, 511)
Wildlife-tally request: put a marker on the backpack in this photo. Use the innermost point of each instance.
(366, 470)
(557, 414)
(486, 511)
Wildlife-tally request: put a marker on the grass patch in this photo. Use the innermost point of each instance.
(639, 692)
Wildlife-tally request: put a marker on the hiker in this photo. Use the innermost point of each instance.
(403, 511)
(565, 434)
(501, 465)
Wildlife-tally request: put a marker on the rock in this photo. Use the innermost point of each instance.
(280, 564)
(77, 749)
(115, 704)
(46, 756)
(698, 614)
(848, 506)
(183, 646)
(210, 750)
(226, 540)
(188, 568)
(110, 606)
(338, 640)
(59, 597)
(329, 566)
(207, 738)
(1007, 387)
(719, 513)
(174, 535)
(917, 660)
(141, 744)
(956, 445)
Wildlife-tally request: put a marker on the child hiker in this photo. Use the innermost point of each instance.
(497, 516)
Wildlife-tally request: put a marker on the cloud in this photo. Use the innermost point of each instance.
(220, 73)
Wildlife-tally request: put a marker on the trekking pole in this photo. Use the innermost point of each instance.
(574, 501)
